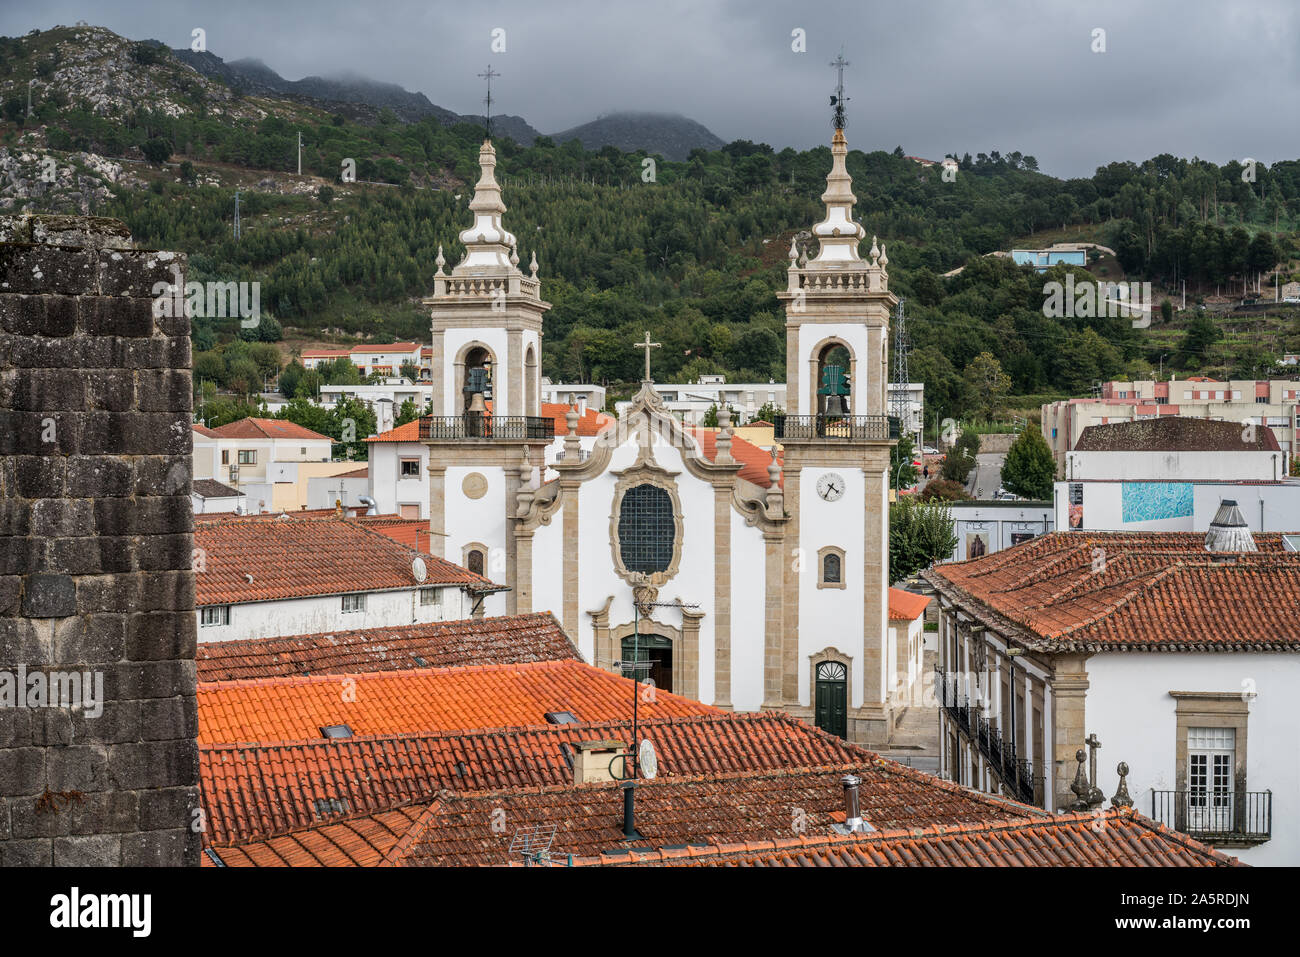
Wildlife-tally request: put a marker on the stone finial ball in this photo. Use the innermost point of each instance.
(1080, 755)
(1122, 769)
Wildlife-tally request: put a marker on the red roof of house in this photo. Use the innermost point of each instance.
(202, 429)
(251, 428)
(411, 532)
(590, 423)
(251, 790)
(753, 460)
(906, 605)
(424, 699)
(275, 557)
(505, 639)
(1115, 837)
(408, 432)
(712, 808)
(386, 347)
(1106, 591)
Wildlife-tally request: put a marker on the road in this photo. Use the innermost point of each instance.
(986, 477)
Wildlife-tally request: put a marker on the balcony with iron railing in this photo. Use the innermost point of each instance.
(1217, 816)
(484, 425)
(1016, 773)
(850, 428)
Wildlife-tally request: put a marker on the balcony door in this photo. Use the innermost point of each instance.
(831, 708)
(1211, 757)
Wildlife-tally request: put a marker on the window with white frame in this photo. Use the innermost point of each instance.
(353, 603)
(214, 615)
(410, 468)
(247, 456)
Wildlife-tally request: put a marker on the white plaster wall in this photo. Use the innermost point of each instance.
(748, 613)
(1176, 466)
(831, 617)
(477, 520)
(1103, 507)
(305, 616)
(387, 488)
(494, 339)
(1131, 712)
(548, 567)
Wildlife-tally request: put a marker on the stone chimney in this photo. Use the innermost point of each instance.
(595, 761)
(1229, 532)
(97, 533)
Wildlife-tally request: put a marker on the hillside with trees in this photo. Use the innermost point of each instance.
(694, 253)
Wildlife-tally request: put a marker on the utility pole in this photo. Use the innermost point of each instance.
(238, 232)
(29, 95)
(300, 152)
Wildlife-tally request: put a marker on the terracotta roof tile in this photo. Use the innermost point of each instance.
(252, 790)
(1094, 591)
(507, 639)
(591, 422)
(425, 699)
(753, 460)
(715, 810)
(906, 605)
(1118, 838)
(211, 488)
(251, 428)
(295, 557)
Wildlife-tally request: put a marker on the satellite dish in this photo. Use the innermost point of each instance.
(647, 759)
(418, 569)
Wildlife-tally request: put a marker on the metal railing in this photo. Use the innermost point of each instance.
(847, 427)
(1216, 816)
(998, 752)
(482, 425)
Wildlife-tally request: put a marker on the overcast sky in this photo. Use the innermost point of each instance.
(1220, 80)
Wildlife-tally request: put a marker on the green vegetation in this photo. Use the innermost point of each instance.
(1029, 468)
(920, 534)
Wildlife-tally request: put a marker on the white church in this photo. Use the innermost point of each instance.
(767, 590)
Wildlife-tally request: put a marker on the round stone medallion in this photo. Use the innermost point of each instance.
(475, 485)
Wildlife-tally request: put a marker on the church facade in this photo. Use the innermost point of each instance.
(748, 582)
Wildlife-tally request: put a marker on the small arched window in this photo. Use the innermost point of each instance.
(474, 561)
(831, 569)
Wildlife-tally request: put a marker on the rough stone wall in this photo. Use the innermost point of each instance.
(95, 550)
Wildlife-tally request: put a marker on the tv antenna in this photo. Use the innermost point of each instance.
(488, 74)
(839, 99)
(532, 845)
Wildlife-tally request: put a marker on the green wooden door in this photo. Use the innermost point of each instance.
(832, 705)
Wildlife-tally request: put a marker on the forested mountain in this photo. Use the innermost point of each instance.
(666, 133)
(694, 255)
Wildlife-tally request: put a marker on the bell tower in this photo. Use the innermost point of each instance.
(487, 315)
(838, 669)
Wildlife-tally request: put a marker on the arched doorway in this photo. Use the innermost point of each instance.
(831, 690)
(654, 655)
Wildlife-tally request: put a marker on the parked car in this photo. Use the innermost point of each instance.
(930, 450)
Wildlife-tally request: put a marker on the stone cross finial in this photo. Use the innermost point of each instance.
(647, 346)
(1122, 798)
(1080, 784)
(1095, 797)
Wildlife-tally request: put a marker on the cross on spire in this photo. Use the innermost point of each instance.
(647, 346)
(839, 99)
(488, 74)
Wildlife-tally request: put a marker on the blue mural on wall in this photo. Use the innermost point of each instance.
(1152, 501)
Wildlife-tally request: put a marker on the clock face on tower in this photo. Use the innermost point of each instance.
(830, 486)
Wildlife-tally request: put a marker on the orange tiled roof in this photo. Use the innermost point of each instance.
(906, 605)
(1099, 591)
(753, 460)
(251, 428)
(1117, 838)
(203, 430)
(255, 790)
(274, 557)
(362, 841)
(714, 809)
(411, 532)
(590, 423)
(425, 699)
(389, 347)
(507, 639)
(407, 432)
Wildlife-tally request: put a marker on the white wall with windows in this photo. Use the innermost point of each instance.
(1130, 709)
(304, 616)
